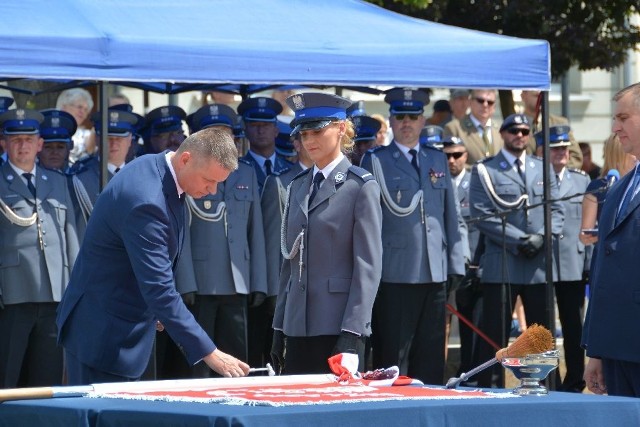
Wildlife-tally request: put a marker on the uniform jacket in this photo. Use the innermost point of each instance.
(29, 272)
(87, 173)
(571, 255)
(463, 198)
(417, 248)
(519, 223)
(227, 256)
(272, 201)
(123, 278)
(341, 257)
(609, 328)
(468, 132)
(280, 166)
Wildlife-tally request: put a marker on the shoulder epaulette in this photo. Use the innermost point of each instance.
(302, 173)
(281, 171)
(245, 161)
(377, 148)
(46, 169)
(361, 173)
(486, 159)
(580, 171)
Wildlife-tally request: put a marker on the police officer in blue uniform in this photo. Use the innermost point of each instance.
(366, 128)
(39, 247)
(227, 268)
(86, 173)
(422, 243)
(259, 115)
(57, 131)
(503, 186)
(331, 244)
(163, 129)
(571, 256)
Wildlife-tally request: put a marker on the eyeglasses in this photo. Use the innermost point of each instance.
(483, 101)
(515, 131)
(454, 155)
(402, 116)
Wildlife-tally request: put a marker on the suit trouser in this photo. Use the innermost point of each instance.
(469, 304)
(260, 332)
(622, 378)
(535, 303)
(29, 354)
(570, 299)
(410, 329)
(79, 373)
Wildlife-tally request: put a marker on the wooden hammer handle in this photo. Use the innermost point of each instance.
(26, 393)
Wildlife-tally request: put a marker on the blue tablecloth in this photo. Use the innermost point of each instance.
(555, 409)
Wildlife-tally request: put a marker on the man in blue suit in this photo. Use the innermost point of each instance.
(122, 285)
(609, 336)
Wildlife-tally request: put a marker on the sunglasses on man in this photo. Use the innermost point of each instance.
(484, 101)
(410, 116)
(454, 155)
(515, 131)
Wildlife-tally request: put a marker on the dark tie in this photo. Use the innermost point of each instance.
(317, 181)
(629, 195)
(117, 170)
(518, 163)
(414, 160)
(30, 185)
(558, 180)
(267, 167)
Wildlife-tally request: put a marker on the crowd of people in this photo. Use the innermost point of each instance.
(318, 239)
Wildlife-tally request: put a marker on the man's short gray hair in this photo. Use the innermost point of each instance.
(634, 89)
(213, 144)
(69, 96)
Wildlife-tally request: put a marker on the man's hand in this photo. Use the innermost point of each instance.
(531, 245)
(594, 377)
(347, 343)
(277, 351)
(189, 298)
(256, 299)
(226, 365)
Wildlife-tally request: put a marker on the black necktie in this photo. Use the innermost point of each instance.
(30, 185)
(518, 163)
(267, 167)
(117, 170)
(414, 160)
(317, 180)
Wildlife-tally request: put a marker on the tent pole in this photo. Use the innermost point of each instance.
(103, 87)
(548, 242)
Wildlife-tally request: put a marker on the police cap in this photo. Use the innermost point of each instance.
(213, 115)
(315, 110)
(21, 121)
(259, 109)
(58, 126)
(406, 100)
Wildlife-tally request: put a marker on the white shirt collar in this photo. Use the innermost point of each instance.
(511, 158)
(168, 156)
(326, 171)
(19, 171)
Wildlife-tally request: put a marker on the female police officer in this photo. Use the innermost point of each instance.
(331, 242)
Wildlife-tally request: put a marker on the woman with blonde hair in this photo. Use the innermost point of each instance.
(331, 243)
(614, 159)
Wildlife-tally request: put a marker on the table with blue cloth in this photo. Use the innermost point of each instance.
(555, 409)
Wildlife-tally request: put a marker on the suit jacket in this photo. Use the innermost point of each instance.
(468, 132)
(571, 255)
(123, 278)
(341, 257)
(272, 202)
(228, 256)
(609, 328)
(280, 166)
(519, 223)
(29, 272)
(417, 248)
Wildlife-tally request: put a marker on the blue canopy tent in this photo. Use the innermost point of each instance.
(346, 43)
(329, 42)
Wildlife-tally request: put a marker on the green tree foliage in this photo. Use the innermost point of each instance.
(587, 33)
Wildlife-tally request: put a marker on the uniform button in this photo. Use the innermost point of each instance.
(562, 236)
(303, 287)
(608, 252)
(44, 231)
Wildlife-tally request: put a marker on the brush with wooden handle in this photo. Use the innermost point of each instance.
(535, 339)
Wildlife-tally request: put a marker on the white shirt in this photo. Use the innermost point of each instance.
(405, 150)
(511, 159)
(168, 158)
(326, 171)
